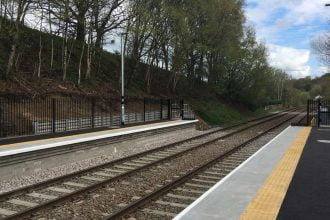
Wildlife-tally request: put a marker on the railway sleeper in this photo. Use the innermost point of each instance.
(159, 213)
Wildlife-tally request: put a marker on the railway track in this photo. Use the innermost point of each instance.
(169, 200)
(26, 201)
(302, 121)
(50, 152)
(46, 153)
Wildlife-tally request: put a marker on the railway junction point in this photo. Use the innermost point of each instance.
(286, 179)
(27, 147)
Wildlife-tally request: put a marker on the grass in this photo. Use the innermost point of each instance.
(216, 113)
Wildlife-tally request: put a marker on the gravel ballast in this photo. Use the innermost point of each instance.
(106, 201)
(121, 150)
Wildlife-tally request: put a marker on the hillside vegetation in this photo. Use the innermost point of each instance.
(198, 50)
(308, 88)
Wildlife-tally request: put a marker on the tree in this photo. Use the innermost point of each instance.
(66, 40)
(138, 27)
(316, 90)
(321, 47)
(19, 9)
(108, 15)
(75, 15)
(191, 45)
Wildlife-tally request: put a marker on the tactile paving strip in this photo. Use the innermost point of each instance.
(267, 202)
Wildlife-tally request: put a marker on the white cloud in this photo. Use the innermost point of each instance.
(270, 17)
(307, 11)
(275, 22)
(291, 60)
(296, 12)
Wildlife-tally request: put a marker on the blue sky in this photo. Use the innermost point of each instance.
(287, 27)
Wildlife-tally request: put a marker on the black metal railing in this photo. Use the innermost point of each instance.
(22, 116)
(318, 113)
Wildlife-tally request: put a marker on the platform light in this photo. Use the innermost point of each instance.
(123, 78)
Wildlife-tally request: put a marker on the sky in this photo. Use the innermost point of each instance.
(287, 28)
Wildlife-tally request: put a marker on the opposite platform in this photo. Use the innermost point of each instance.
(232, 197)
(25, 147)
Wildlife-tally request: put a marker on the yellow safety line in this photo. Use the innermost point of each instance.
(267, 202)
(72, 136)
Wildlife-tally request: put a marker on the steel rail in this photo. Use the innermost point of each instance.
(50, 152)
(40, 154)
(163, 190)
(95, 186)
(299, 123)
(5, 195)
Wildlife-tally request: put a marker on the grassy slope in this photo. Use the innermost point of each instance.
(217, 113)
(105, 80)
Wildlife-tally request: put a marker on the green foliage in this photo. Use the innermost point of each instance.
(315, 90)
(297, 97)
(216, 113)
(200, 50)
(299, 90)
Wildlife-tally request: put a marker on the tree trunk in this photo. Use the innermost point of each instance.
(1, 15)
(65, 41)
(21, 11)
(166, 58)
(51, 33)
(81, 30)
(11, 58)
(52, 56)
(148, 76)
(175, 81)
(40, 45)
(98, 41)
(89, 55)
(80, 63)
(40, 57)
(65, 56)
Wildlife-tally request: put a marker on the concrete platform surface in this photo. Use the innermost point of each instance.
(229, 198)
(24, 147)
(308, 196)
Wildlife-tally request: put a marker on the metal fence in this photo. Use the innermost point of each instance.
(318, 113)
(21, 117)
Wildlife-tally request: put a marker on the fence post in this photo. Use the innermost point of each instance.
(161, 109)
(144, 109)
(182, 109)
(1, 121)
(93, 112)
(111, 121)
(318, 113)
(54, 114)
(308, 119)
(169, 109)
(111, 116)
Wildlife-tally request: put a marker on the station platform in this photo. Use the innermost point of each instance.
(289, 178)
(31, 146)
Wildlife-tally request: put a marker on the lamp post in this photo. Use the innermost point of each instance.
(123, 79)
